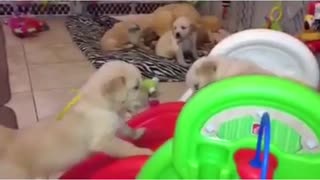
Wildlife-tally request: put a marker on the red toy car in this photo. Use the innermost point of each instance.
(26, 26)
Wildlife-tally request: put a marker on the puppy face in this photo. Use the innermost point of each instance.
(201, 73)
(207, 70)
(118, 87)
(182, 28)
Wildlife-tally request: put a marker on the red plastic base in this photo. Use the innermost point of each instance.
(246, 171)
(311, 7)
(314, 46)
(159, 122)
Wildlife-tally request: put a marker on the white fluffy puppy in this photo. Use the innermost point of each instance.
(90, 125)
(175, 43)
(210, 69)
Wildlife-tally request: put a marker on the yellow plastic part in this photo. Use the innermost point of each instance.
(310, 36)
(276, 10)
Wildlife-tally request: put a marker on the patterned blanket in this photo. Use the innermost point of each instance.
(86, 31)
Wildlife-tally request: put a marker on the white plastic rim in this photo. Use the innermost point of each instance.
(274, 51)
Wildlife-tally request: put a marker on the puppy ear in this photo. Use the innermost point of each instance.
(115, 85)
(207, 67)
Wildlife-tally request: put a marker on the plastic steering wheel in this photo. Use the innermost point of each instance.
(192, 155)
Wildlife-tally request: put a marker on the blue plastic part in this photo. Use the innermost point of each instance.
(263, 130)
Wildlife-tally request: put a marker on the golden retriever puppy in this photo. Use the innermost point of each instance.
(164, 16)
(89, 126)
(180, 40)
(211, 69)
(120, 35)
(207, 25)
(211, 23)
(117, 38)
(208, 69)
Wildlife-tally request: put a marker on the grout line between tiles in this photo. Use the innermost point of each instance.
(30, 82)
(53, 63)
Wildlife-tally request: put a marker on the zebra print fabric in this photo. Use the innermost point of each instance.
(86, 31)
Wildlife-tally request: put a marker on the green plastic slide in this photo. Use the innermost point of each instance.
(191, 154)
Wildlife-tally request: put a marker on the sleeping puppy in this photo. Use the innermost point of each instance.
(175, 43)
(142, 38)
(117, 38)
(210, 69)
(89, 126)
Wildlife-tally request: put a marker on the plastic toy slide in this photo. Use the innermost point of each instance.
(160, 123)
(248, 127)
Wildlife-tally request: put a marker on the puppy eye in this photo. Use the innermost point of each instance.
(136, 87)
(196, 87)
(183, 27)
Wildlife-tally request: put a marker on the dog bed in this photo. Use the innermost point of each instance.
(86, 31)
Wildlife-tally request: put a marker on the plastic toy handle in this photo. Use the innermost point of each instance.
(276, 10)
(263, 131)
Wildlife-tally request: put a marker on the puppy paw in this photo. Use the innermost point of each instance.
(139, 133)
(145, 151)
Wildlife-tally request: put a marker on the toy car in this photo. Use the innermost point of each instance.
(26, 26)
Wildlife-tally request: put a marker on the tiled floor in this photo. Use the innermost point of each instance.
(44, 69)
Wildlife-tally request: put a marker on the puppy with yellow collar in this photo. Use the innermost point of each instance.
(87, 125)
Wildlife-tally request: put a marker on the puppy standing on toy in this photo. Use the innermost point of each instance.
(89, 125)
(179, 41)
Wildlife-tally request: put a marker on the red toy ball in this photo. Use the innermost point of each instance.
(159, 122)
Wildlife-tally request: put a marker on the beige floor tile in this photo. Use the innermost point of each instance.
(16, 62)
(171, 91)
(53, 36)
(19, 81)
(22, 104)
(15, 52)
(64, 75)
(11, 39)
(18, 73)
(51, 102)
(53, 53)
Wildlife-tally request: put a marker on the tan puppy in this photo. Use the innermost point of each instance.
(181, 39)
(119, 37)
(218, 36)
(207, 70)
(211, 23)
(207, 25)
(91, 125)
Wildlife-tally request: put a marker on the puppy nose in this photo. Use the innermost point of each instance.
(177, 35)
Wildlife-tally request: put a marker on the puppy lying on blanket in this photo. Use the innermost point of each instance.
(89, 126)
(211, 69)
